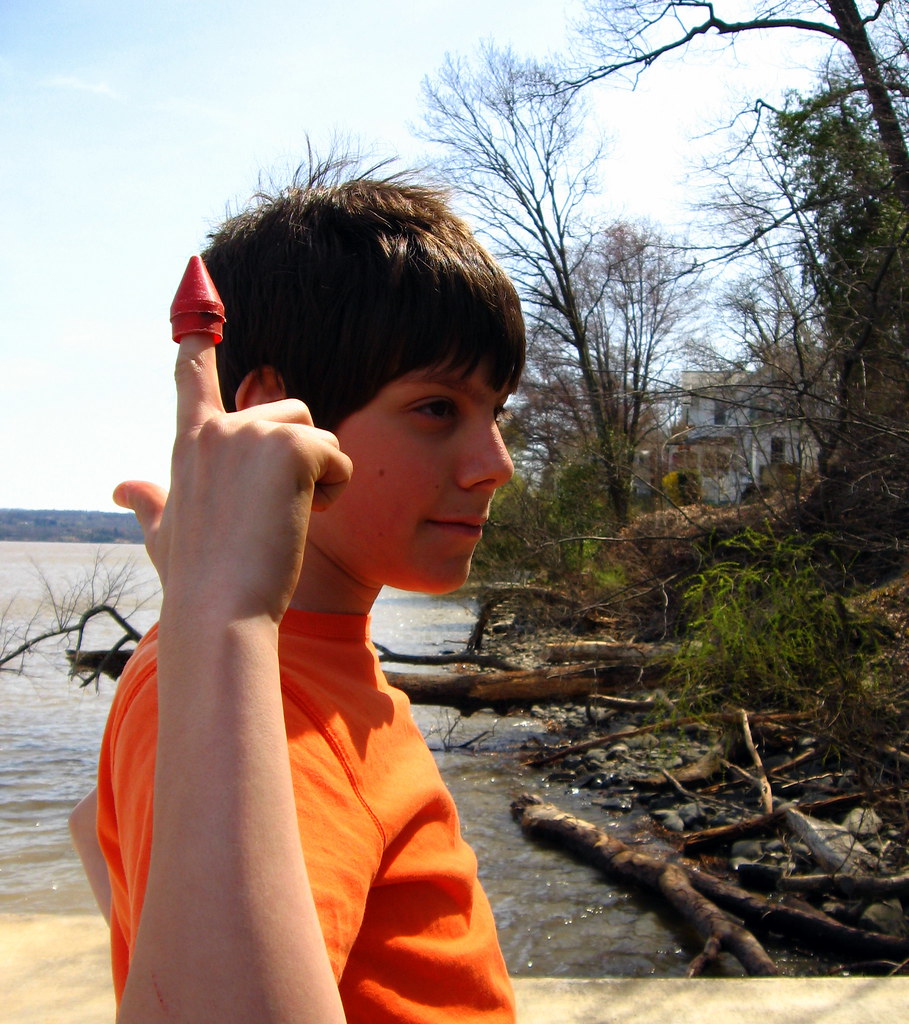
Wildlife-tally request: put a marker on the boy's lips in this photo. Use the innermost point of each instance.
(467, 526)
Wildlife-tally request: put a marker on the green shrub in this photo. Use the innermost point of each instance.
(762, 628)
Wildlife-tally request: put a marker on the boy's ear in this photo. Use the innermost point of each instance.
(260, 387)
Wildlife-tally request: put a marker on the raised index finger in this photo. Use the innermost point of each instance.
(196, 316)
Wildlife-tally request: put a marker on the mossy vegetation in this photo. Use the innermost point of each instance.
(766, 624)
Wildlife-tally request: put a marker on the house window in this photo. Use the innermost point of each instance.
(719, 413)
(777, 450)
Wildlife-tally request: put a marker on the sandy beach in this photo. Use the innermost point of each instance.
(55, 969)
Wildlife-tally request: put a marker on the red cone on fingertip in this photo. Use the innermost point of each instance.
(197, 307)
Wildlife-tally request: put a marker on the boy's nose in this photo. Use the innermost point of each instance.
(486, 463)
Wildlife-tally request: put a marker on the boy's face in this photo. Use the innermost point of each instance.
(427, 456)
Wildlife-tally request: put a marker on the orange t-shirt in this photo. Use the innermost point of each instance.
(408, 929)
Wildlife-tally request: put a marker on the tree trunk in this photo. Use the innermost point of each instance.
(855, 38)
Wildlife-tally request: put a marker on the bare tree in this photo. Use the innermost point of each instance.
(103, 591)
(600, 301)
(630, 35)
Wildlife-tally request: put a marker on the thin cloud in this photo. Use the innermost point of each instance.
(80, 85)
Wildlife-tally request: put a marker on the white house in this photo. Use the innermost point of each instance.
(741, 432)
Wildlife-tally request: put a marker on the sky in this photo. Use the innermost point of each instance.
(128, 130)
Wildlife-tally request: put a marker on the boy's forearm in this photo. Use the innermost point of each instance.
(227, 872)
(84, 835)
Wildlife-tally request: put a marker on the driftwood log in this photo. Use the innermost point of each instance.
(465, 691)
(501, 688)
(676, 880)
(471, 691)
(720, 932)
(609, 652)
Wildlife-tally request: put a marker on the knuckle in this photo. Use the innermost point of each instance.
(297, 411)
(212, 431)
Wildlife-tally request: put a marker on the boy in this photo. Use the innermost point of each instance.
(372, 303)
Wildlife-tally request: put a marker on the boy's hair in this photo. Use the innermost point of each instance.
(345, 285)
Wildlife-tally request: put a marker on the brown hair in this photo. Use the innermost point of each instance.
(345, 285)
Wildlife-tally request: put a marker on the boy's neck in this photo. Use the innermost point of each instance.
(322, 588)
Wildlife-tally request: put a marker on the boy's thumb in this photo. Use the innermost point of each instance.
(146, 500)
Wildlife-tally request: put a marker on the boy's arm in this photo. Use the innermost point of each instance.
(84, 835)
(229, 930)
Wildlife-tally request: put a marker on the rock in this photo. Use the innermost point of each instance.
(592, 780)
(723, 818)
(831, 845)
(747, 851)
(647, 741)
(692, 815)
(862, 822)
(838, 910)
(617, 803)
(887, 917)
(669, 819)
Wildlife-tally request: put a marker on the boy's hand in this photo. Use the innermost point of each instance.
(214, 942)
(231, 532)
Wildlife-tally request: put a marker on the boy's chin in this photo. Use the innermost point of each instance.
(439, 586)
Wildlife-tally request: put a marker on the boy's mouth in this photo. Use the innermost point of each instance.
(469, 526)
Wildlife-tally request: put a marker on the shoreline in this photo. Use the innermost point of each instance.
(56, 972)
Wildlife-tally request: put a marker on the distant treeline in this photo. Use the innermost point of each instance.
(75, 526)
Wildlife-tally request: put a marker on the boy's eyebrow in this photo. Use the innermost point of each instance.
(453, 379)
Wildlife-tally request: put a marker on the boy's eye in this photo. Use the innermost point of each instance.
(438, 408)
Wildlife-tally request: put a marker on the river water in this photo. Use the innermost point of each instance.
(555, 917)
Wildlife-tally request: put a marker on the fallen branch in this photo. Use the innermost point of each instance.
(609, 652)
(598, 741)
(471, 691)
(811, 928)
(705, 767)
(465, 657)
(763, 782)
(719, 931)
(856, 886)
(808, 926)
(627, 704)
(708, 837)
